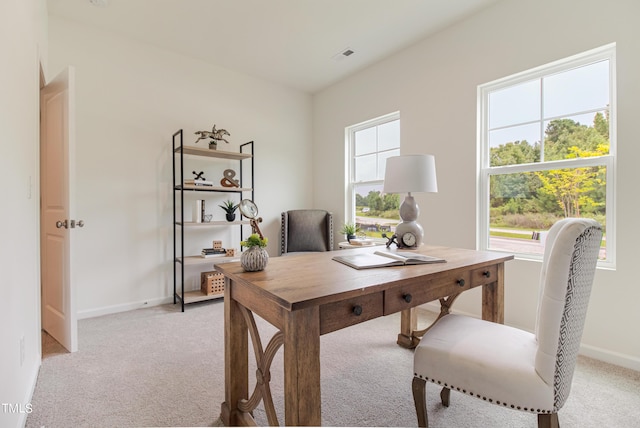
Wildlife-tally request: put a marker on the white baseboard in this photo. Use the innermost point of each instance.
(601, 354)
(32, 388)
(611, 357)
(107, 310)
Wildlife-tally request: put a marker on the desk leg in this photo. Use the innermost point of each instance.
(236, 360)
(302, 367)
(408, 324)
(493, 298)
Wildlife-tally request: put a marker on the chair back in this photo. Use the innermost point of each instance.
(570, 257)
(306, 230)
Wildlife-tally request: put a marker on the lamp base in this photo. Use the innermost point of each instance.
(410, 234)
(409, 231)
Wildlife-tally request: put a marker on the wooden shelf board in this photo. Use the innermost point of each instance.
(195, 188)
(199, 296)
(197, 260)
(221, 154)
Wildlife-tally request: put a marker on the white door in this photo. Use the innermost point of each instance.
(57, 146)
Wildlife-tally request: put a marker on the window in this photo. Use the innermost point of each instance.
(547, 151)
(369, 145)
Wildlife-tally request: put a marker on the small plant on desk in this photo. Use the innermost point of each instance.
(349, 230)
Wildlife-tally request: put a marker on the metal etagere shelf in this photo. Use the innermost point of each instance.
(181, 260)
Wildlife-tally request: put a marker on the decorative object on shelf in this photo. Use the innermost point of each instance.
(230, 252)
(256, 257)
(350, 230)
(228, 180)
(199, 175)
(214, 135)
(230, 208)
(250, 210)
(212, 283)
(410, 173)
(207, 218)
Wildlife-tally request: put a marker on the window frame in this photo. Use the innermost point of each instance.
(350, 185)
(484, 171)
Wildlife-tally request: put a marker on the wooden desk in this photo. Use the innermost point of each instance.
(307, 295)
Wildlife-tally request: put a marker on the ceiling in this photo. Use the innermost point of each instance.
(297, 43)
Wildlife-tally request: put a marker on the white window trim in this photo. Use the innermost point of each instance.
(606, 52)
(349, 199)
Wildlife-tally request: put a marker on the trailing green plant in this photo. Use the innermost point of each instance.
(229, 206)
(254, 240)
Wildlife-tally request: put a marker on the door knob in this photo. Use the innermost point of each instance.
(69, 224)
(79, 223)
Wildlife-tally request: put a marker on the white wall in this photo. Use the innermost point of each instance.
(22, 26)
(131, 98)
(433, 84)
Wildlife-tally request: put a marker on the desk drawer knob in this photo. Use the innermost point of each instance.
(357, 310)
(407, 297)
(460, 282)
(487, 274)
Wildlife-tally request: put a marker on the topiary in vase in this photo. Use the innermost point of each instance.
(256, 257)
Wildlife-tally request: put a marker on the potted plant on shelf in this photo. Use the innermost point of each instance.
(230, 208)
(349, 230)
(256, 257)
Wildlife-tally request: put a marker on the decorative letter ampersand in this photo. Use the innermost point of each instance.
(228, 180)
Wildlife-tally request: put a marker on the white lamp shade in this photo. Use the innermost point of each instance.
(410, 173)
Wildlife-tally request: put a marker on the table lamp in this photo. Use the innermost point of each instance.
(407, 174)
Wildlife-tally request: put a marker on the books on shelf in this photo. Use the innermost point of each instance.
(386, 259)
(191, 182)
(213, 252)
(198, 211)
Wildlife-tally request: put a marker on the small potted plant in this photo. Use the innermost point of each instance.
(230, 208)
(349, 230)
(256, 257)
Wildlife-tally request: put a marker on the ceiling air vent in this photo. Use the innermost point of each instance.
(99, 3)
(343, 54)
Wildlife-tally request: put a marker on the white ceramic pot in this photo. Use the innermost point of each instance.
(254, 259)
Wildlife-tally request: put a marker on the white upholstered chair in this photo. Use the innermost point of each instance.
(531, 372)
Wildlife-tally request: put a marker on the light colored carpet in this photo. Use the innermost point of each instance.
(160, 367)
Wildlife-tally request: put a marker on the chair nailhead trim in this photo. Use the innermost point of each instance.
(490, 400)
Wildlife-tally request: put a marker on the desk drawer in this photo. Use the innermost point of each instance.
(334, 316)
(485, 275)
(417, 293)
